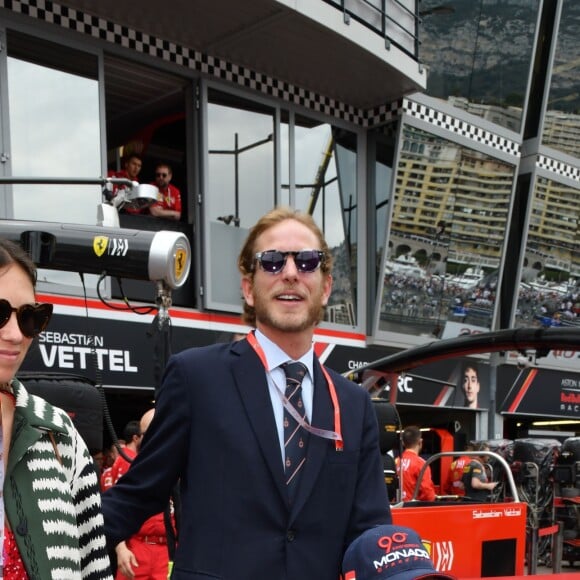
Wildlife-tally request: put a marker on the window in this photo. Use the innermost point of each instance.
(453, 256)
(240, 187)
(147, 113)
(325, 163)
(317, 165)
(54, 123)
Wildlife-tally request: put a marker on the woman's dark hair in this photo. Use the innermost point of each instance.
(11, 253)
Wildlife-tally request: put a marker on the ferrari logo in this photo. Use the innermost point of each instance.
(100, 245)
(179, 263)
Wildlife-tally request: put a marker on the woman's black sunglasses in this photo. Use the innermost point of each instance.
(273, 261)
(32, 318)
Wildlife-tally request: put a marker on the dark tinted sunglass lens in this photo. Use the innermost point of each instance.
(272, 261)
(5, 312)
(34, 319)
(43, 315)
(26, 322)
(307, 261)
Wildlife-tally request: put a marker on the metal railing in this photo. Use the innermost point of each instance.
(502, 462)
(396, 21)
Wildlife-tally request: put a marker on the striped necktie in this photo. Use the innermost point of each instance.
(295, 436)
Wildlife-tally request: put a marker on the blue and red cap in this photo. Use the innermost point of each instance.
(389, 552)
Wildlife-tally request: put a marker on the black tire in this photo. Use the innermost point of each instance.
(570, 492)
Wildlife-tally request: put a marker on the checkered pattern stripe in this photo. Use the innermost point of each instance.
(459, 127)
(558, 167)
(127, 37)
(384, 114)
(124, 36)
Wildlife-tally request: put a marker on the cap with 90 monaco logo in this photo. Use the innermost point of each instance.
(392, 552)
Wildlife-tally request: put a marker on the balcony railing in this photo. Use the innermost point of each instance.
(396, 21)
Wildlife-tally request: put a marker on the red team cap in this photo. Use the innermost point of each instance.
(389, 552)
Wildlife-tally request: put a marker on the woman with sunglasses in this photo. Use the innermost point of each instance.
(50, 516)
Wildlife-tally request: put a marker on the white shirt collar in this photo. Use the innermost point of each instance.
(275, 356)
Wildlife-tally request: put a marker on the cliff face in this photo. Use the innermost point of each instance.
(482, 49)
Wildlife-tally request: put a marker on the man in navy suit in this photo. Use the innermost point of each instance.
(219, 430)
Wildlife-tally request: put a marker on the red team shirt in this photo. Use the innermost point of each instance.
(455, 484)
(111, 475)
(411, 465)
(116, 188)
(169, 199)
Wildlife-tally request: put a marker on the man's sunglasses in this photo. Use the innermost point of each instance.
(32, 318)
(273, 261)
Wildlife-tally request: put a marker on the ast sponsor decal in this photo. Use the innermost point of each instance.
(442, 555)
(544, 392)
(506, 512)
(179, 263)
(440, 552)
(570, 395)
(398, 549)
(100, 245)
(478, 514)
(67, 350)
(110, 246)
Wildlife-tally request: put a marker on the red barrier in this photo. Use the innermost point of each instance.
(471, 540)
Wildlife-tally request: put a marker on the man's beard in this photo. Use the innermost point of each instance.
(286, 322)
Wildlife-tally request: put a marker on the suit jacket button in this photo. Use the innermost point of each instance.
(290, 535)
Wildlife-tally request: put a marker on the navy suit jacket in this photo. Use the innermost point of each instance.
(214, 432)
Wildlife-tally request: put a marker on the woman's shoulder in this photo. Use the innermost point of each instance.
(40, 412)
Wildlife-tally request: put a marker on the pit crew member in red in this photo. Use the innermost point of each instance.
(143, 556)
(454, 484)
(131, 168)
(409, 465)
(168, 203)
(132, 435)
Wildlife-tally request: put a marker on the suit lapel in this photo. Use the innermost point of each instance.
(322, 417)
(251, 383)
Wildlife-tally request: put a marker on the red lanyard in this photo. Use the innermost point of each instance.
(335, 435)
